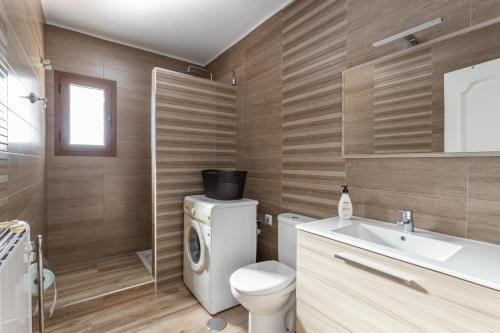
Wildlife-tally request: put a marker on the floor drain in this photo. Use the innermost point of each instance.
(216, 324)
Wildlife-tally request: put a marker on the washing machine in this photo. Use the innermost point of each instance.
(219, 237)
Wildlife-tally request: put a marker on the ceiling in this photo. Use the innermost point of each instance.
(193, 30)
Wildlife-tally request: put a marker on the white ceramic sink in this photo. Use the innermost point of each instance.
(407, 242)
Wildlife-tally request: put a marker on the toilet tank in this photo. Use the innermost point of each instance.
(287, 237)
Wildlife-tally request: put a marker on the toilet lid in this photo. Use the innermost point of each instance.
(262, 278)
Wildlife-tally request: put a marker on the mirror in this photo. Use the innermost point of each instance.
(438, 98)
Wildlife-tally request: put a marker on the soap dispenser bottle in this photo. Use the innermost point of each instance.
(345, 204)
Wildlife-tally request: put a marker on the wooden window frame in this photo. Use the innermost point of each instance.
(62, 81)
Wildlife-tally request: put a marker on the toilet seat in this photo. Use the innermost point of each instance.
(262, 278)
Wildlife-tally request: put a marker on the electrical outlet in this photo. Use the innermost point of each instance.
(268, 219)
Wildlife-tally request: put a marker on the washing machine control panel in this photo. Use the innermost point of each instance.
(197, 212)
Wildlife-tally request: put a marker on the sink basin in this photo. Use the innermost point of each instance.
(396, 239)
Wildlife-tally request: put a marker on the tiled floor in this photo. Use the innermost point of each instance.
(80, 281)
(143, 310)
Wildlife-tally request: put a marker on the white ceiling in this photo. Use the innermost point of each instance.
(193, 30)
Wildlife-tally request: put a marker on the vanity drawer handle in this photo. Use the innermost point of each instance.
(387, 272)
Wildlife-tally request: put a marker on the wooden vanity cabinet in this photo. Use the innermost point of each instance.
(341, 288)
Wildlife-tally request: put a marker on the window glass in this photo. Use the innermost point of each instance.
(86, 116)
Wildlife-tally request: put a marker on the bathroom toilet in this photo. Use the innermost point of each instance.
(267, 289)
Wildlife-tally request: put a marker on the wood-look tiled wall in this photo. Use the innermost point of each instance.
(448, 195)
(194, 128)
(100, 206)
(314, 56)
(456, 196)
(257, 59)
(289, 104)
(22, 124)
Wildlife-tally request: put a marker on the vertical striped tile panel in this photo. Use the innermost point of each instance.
(194, 128)
(4, 159)
(403, 104)
(314, 56)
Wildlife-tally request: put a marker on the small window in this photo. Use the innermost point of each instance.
(85, 115)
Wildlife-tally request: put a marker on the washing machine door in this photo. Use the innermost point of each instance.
(195, 246)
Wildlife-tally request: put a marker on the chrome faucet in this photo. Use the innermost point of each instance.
(406, 220)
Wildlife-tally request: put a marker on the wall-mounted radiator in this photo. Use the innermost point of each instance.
(15, 288)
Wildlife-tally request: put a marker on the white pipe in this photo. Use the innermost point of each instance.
(41, 301)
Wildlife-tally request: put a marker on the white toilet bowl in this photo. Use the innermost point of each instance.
(267, 290)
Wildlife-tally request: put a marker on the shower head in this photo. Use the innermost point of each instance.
(191, 73)
(197, 71)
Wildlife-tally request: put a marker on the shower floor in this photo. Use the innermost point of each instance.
(82, 281)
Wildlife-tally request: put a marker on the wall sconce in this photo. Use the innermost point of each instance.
(409, 34)
(233, 81)
(34, 98)
(46, 64)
